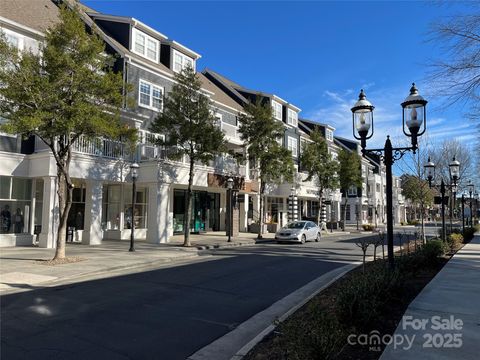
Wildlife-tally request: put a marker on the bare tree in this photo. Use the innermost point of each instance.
(363, 243)
(455, 75)
(413, 165)
(442, 154)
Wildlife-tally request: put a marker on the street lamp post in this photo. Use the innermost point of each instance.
(414, 125)
(471, 188)
(134, 173)
(454, 171)
(463, 213)
(230, 207)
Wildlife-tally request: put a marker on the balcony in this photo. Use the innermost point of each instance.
(231, 133)
(106, 148)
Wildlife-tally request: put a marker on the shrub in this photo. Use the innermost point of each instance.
(413, 222)
(432, 251)
(368, 227)
(468, 234)
(454, 241)
(322, 340)
(361, 299)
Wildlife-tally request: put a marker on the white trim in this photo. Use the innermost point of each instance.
(147, 37)
(290, 141)
(183, 58)
(278, 98)
(275, 105)
(152, 86)
(182, 47)
(294, 117)
(137, 22)
(20, 26)
(327, 133)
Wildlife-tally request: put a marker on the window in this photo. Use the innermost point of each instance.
(352, 191)
(277, 110)
(145, 45)
(140, 212)
(292, 118)
(150, 96)
(15, 204)
(329, 135)
(292, 145)
(342, 212)
(181, 61)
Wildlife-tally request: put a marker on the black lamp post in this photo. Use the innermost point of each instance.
(134, 173)
(230, 207)
(357, 211)
(454, 170)
(414, 125)
(471, 188)
(463, 213)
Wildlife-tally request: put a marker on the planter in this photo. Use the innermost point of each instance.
(272, 228)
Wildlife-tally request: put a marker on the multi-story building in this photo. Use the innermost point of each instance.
(100, 169)
(102, 206)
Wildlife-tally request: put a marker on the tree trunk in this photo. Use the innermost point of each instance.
(65, 195)
(188, 203)
(374, 252)
(422, 231)
(364, 252)
(261, 211)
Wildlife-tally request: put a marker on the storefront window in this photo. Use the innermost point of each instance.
(38, 206)
(15, 204)
(111, 207)
(140, 212)
(205, 211)
(76, 216)
(275, 205)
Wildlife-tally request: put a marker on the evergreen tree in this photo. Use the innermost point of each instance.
(319, 165)
(189, 126)
(66, 92)
(261, 132)
(350, 175)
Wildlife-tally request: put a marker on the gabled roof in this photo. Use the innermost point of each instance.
(217, 94)
(237, 89)
(38, 15)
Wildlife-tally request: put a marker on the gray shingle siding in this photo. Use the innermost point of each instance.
(134, 74)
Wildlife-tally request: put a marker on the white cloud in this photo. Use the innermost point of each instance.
(335, 110)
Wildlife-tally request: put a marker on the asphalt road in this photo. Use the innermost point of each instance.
(166, 313)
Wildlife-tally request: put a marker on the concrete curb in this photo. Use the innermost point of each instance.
(93, 274)
(253, 330)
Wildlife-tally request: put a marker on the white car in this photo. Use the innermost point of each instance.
(298, 231)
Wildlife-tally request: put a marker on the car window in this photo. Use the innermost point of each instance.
(312, 224)
(296, 225)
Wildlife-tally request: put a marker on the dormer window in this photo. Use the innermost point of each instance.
(329, 134)
(145, 45)
(277, 110)
(292, 118)
(181, 61)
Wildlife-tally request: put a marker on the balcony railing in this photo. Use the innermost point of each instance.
(106, 148)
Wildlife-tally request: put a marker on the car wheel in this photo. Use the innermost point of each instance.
(304, 238)
(317, 239)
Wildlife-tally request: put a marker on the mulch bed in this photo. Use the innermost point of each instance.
(66, 260)
(269, 347)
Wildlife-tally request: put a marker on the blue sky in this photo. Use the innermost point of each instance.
(316, 55)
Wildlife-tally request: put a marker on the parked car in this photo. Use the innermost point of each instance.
(298, 231)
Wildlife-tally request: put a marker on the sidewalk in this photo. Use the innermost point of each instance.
(453, 296)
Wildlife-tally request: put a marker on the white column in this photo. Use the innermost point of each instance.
(31, 225)
(47, 238)
(158, 216)
(92, 225)
(223, 211)
(244, 213)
